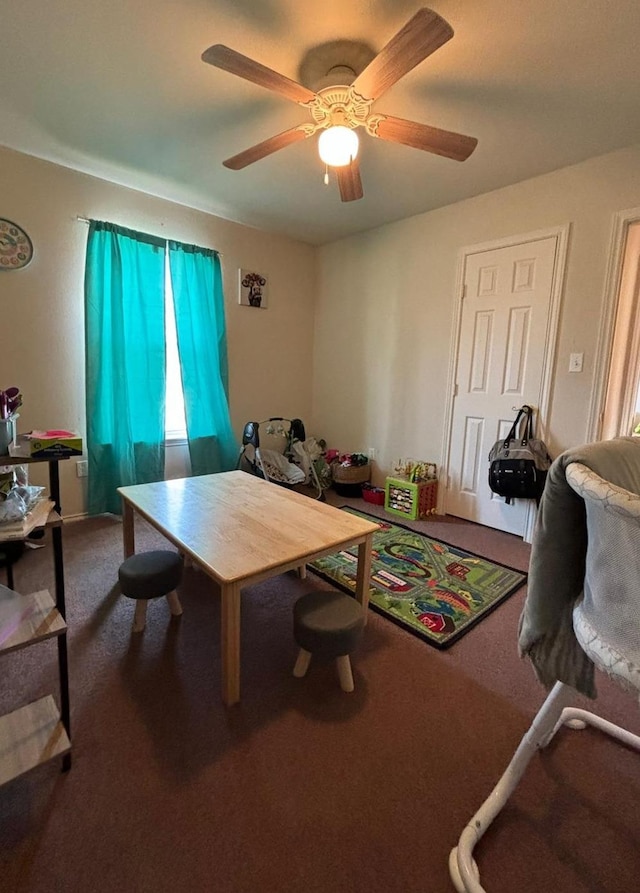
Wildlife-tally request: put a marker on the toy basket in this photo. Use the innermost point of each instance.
(348, 479)
(350, 474)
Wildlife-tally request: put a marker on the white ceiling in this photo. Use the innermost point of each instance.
(118, 89)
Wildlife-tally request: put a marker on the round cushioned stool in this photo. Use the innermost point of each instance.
(148, 575)
(330, 624)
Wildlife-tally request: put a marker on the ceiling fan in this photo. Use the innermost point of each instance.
(345, 104)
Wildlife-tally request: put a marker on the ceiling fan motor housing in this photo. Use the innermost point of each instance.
(337, 62)
(339, 106)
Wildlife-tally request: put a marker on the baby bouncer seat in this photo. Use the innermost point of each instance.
(582, 612)
(285, 455)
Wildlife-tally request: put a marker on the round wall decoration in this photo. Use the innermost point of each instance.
(16, 249)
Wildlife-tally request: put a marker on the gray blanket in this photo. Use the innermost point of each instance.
(558, 558)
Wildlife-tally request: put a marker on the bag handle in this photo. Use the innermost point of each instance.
(513, 430)
(528, 425)
(527, 430)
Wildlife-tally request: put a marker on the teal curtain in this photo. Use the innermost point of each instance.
(125, 361)
(196, 281)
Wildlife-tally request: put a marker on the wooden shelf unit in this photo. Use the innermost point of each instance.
(35, 617)
(37, 732)
(31, 736)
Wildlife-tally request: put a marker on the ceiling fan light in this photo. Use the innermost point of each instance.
(338, 146)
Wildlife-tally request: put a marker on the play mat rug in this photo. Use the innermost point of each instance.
(431, 588)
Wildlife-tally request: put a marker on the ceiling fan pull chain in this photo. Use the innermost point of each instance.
(326, 175)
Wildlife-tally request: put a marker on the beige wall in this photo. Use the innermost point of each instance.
(386, 299)
(381, 337)
(42, 338)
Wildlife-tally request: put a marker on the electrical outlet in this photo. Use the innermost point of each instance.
(82, 468)
(372, 453)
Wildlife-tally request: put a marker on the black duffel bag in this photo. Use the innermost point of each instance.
(518, 464)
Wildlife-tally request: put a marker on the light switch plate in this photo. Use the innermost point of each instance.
(575, 362)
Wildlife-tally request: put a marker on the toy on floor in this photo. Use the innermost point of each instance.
(413, 490)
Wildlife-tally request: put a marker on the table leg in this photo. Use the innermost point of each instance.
(363, 579)
(128, 531)
(230, 644)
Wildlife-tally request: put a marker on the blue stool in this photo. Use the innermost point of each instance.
(148, 575)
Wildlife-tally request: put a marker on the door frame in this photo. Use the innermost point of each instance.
(561, 235)
(622, 220)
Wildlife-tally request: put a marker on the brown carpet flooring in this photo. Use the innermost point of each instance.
(301, 787)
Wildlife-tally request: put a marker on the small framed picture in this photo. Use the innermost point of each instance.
(252, 289)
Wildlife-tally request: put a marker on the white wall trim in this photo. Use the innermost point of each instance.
(561, 235)
(451, 381)
(622, 220)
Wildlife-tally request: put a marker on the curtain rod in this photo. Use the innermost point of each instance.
(82, 219)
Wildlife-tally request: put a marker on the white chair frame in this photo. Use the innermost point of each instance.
(556, 711)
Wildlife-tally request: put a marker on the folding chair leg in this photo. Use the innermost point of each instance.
(316, 482)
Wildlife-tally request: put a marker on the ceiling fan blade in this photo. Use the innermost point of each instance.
(229, 60)
(429, 139)
(267, 147)
(421, 36)
(349, 181)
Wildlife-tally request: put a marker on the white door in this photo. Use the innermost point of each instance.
(501, 362)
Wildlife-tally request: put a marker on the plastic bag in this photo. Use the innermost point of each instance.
(13, 507)
(17, 498)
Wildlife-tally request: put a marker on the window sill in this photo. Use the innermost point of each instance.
(172, 440)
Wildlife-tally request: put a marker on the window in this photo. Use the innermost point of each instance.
(175, 426)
